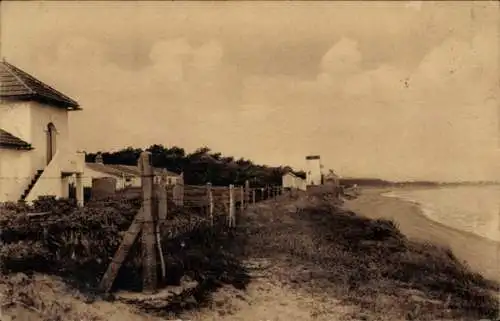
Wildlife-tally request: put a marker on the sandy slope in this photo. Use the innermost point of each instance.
(267, 300)
(263, 300)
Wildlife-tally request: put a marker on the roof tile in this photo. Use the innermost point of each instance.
(7, 140)
(15, 83)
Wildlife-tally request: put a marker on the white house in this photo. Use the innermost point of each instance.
(332, 178)
(125, 175)
(36, 154)
(314, 170)
(290, 180)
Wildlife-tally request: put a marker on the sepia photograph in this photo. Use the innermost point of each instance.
(249, 160)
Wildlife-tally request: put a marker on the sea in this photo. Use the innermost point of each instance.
(474, 209)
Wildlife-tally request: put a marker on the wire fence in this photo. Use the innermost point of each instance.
(146, 210)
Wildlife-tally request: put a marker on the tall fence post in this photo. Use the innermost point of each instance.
(178, 193)
(161, 193)
(231, 205)
(148, 229)
(253, 196)
(247, 192)
(242, 197)
(210, 203)
(162, 204)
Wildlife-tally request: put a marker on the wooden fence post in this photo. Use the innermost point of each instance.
(121, 254)
(242, 201)
(210, 203)
(161, 192)
(231, 205)
(253, 196)
(162, 203)
(148, 228)
(178, 194)
(247, 192)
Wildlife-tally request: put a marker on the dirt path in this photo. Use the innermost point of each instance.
(266, 300)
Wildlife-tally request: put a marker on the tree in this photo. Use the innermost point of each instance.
(201, 166)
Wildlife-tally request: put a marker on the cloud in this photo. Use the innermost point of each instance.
(342, 59)
(405, 121)
(378, 115)
(182, 83)
(415, 5)
(408, 96)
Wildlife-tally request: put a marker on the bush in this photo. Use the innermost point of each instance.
(79, 243)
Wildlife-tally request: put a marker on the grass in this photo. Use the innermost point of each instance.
(365, 262)
(315, 246)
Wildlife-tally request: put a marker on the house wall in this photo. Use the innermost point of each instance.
(15, 174)
(301, 184)
(314, 174)
(28, 121)
(288, 181)
(50, 183)
(172, 180)
(291, 181)
(15, 165)
(89, 174)
(40, 116)
(15, 118)
(133, 182)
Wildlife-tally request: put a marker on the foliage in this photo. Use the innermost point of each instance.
(366, 262)
(79, 243)
(201, 166)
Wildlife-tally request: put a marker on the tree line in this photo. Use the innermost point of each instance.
(201, 166)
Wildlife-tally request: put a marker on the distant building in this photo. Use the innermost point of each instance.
(314, 174)
(125, 175)
(332, 178)
(292, 181)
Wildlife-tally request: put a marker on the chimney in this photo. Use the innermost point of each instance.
(98, 159)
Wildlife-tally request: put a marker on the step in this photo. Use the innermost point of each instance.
(32, 183)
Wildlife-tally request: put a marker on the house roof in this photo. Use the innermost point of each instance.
(18, 84)
(107, 169)
(125, 170)
(7, 140)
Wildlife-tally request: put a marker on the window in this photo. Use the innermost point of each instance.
(51, 141)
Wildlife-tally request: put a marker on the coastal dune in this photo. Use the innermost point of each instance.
(479, 253)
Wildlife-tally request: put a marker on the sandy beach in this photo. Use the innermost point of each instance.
(479, 253)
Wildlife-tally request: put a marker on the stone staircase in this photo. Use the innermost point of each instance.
(32, 183)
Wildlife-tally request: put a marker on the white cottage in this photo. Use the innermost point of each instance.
(125, 175)
(292, 181)
(36, 154)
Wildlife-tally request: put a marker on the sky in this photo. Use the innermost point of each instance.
(396, 90)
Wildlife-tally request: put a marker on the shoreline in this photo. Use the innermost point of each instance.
(481, 254)
(434, 221)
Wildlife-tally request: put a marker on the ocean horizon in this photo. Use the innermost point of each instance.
(474, 209)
